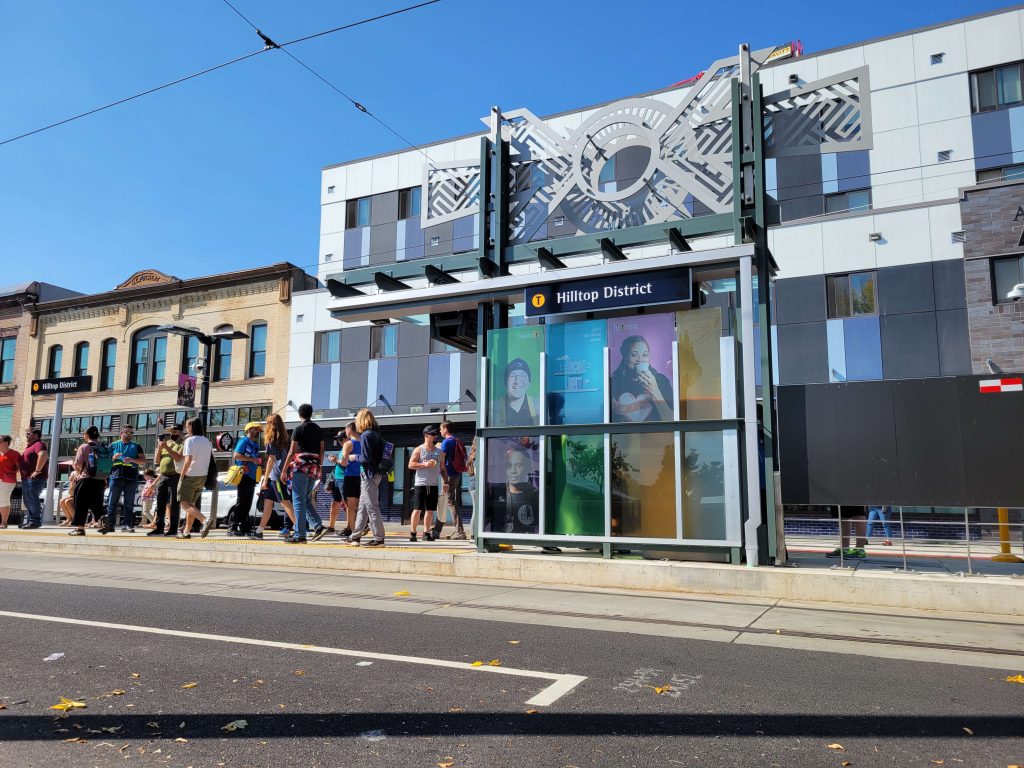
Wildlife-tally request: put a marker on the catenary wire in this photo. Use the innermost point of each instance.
(213, 69)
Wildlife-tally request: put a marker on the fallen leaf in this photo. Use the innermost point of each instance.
(514, 642)
(1015, 679)
(300, 672)
(136, 675)
(531, 711)
(477, 664)
(153, 724)
(455, 709)
(181, 740)
(122, 749)
(837, 747)
(938, 762)
(846, 762)
(968, 731)
(257, 684)
(54, 657)
(76, 740)
(234, 725)
(447, 763)
(363, 663)
(495, 662)
(662, 688)
(401, 593)
(66, 704)
(190, 685)
(3, 706)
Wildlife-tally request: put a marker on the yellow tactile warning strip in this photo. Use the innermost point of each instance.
(274, 541)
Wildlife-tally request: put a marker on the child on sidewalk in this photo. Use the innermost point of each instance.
(149, 499)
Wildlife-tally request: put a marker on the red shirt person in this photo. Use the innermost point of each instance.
(10, 461)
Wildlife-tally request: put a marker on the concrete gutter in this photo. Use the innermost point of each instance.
(995, 595)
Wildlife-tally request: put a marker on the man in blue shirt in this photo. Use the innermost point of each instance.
(454, 464)
(247, 456)
(128, 457)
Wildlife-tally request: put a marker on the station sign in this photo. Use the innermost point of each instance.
(62, 386)
(643, 289)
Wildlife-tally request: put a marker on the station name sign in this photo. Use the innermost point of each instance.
(63, 386)
(663, 286)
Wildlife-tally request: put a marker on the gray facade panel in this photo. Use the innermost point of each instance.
(906, 289)
(382, 243)
(413, 239)
(910, 348)
(799, 186)
(463, 231)
(384, 208)
(954, 342)
(353, 248)
(950, 290)
(468, 371)
(412, 380)
(803, 353)
(413, 340)
(443, 234)
(992, 144)
(800, 299)
(853, 170)
(355, 344)
(352, 393)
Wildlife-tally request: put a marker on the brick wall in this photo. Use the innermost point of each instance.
(992, 228)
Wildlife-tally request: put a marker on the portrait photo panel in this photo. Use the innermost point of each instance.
(640, 351)
(513, 483)
(514, 386)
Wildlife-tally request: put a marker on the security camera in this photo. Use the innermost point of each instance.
(1017, 293)
(199, 366)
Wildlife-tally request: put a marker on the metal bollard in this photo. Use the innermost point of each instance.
(1005, 555)
(967, 531)
(903, 541)
(841, 553)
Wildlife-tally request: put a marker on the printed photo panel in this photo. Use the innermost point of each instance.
(575, 372)
(514, 376)
(512, 501)
(575, 486)
(641, 367)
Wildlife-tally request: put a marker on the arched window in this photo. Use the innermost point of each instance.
(81, 359)
(189, 354)
(54, 361)
(108, 364)
(149, 358)
(257, 349)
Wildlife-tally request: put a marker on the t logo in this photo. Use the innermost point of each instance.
(538, 300)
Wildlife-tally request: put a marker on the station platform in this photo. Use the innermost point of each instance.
(878, 581)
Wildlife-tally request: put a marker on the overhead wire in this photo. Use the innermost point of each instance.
(216, 67)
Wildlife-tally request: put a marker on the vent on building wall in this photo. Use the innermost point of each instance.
(559, 221)
(330, 190)
(299, 318)
(937, 58)
(328, 256)
(945, 155)
(958, 237)
(435, 241)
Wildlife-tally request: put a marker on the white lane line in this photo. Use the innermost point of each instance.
(561, 684)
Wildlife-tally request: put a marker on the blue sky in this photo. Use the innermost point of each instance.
(223, 172)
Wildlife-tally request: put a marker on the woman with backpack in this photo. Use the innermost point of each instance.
(373, 466)
(92, 463)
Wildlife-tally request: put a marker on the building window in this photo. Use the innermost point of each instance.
(328, 347)
(851, 295)
(257, 350)
(54, 361)
(1001, 174)
(149, 358)
(409, 202)
(996, 88)
(222, 360)
(8, 348)
(854, 200)
(1006, 273)
(108, 363)
(383, 341)
(81, 359)
(357, 213)
(189, 355)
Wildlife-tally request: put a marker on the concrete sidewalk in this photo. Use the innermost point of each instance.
(862, 585)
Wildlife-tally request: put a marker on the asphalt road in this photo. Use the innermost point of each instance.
(728, 705)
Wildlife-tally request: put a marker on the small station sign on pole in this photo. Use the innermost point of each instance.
(61, 386)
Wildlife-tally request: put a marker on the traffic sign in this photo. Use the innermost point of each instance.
(62, 386)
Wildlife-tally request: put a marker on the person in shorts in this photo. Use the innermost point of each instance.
(198, 452)
(10, 461)
(428, 462)
(273, 490)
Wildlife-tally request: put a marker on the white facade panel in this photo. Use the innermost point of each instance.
(468, 149)
(953, 136)
(894, 108)
(360, 179)
(840, 61)
(332, 243)
(798, 250)
(944, 181)
(905, 237)
(333, 177)
(943, 221)
(947, 41)
(891, 62)
(993, 40)
(384, 174)
(943, 98)
(846, 245)
(332, 217)
(410, 169)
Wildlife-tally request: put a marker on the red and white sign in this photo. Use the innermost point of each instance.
(1001, 385)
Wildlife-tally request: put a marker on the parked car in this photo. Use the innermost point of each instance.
(227, 495)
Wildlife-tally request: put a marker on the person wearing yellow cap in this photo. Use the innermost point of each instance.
(247, 456)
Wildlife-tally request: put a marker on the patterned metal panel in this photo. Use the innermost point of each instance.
(452, 190)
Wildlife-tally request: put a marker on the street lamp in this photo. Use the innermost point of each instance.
(207, 340)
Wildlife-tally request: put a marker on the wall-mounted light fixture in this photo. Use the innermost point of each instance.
(874, 237)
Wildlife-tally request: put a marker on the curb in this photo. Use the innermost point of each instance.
(996, 595)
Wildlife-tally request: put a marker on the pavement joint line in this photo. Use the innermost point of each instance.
(561, 683)
(439, 604)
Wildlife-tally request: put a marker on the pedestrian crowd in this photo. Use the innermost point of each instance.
(290, 472)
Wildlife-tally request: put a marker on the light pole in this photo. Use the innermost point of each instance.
(207, 340)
